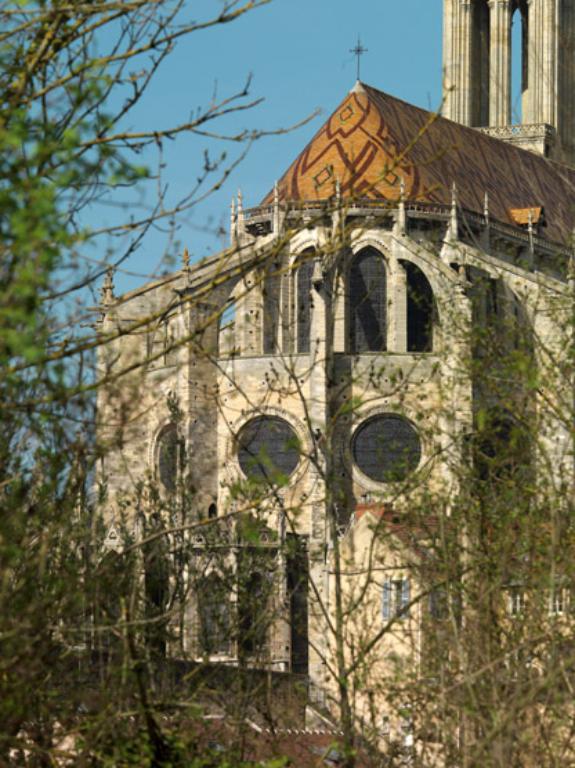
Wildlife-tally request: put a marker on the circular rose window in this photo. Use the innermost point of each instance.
(386, 448)
(268, 448)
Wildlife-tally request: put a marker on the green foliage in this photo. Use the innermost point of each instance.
(65, 93)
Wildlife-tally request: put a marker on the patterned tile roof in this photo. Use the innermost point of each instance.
(372, 141)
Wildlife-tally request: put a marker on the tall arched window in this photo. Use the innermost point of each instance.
(420, 310)
(214, 615)
(367, 302)
(168, 457)
(271, 308)
(254, 612)
(303, 300)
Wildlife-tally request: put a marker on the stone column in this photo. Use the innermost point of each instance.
(500, 67)
(250, 311)
(319, 363)
(396, 302)
(548, 63)
(566, 82)
(457, 35)
(531, 106)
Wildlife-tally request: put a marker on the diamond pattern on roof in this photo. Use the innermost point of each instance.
(373, 140)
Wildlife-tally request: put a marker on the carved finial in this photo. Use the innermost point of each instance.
(107, 290)
(453, 222)
(401, 217)
(186, 264)
(337, 216)
(240, 215)
(233, 222)
(277, 217)
(486, 233)
(530, 229)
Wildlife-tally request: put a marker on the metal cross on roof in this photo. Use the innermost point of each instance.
(359, 50)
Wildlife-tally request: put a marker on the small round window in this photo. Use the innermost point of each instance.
(268, 448)
(387, 448)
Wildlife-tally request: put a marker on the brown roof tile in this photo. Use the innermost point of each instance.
(372, 140)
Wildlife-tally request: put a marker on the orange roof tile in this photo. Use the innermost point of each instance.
(373, 140)
(521, 216)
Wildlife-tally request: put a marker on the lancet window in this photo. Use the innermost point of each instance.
(367, 302)
(271, 308)
(420, 310)
(303, 301)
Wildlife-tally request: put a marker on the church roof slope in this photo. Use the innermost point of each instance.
(372, 141)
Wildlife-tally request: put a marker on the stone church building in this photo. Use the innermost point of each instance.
(276, 407)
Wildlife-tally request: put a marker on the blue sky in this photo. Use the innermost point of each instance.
(298, 54)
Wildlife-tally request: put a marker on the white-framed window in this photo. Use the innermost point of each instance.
(395, 598)
(515, 601)
(559, 599)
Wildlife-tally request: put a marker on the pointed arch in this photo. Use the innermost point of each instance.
(367, 301)
(302, 299)
(420, 309)
(271, 300)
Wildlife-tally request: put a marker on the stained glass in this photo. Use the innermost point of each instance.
(367, 302)
(267, 446)
(387, 448)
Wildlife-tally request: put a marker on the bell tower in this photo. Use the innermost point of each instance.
(477, 67)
